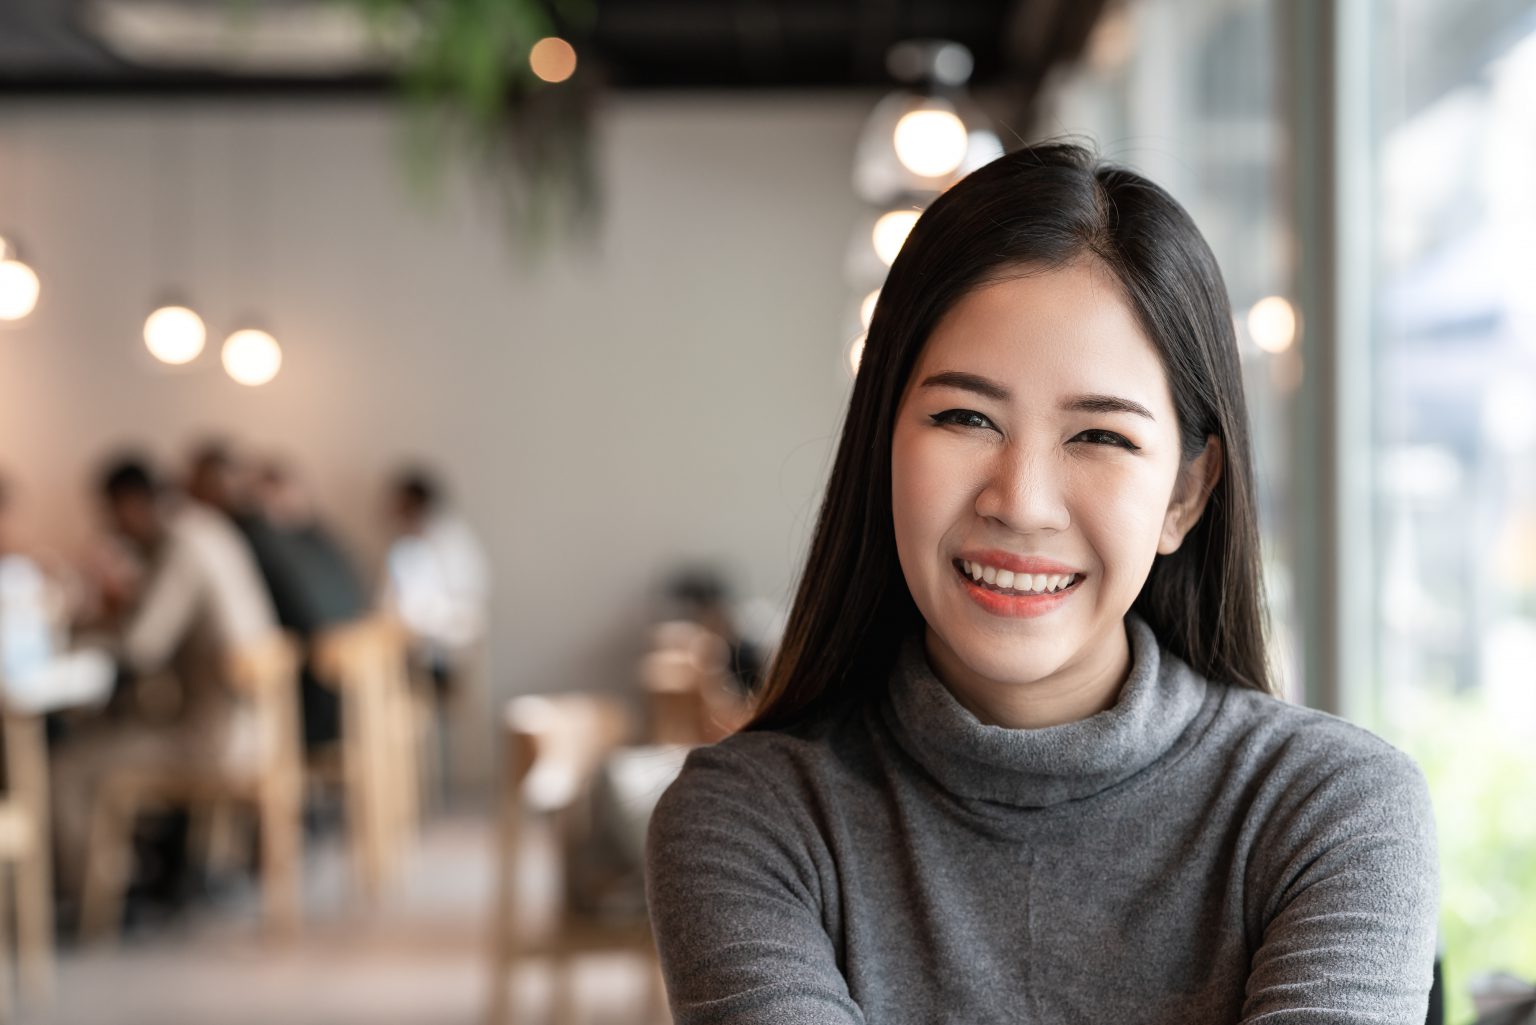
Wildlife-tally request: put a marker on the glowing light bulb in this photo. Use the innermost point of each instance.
(552, 59)
(867, 308)
(174, 334)
(19, 288)
(930, 142)
(891, 232)
(1272, 324)
(856, 354)
(252, 357)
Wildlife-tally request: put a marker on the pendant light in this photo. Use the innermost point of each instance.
(19, 284)
(917, 141)
(174, 333)
(251, 355)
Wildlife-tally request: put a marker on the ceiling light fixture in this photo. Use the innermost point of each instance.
(252, 357)
(19, 284)
(175, 334)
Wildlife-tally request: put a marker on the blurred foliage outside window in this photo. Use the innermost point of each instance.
(1454, 446)
(1480, 768)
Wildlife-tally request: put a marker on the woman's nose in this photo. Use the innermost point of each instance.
(1025, 492)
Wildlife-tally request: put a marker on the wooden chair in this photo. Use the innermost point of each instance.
(25, 849)
(266, 676)
(382, 725)
(552, 746)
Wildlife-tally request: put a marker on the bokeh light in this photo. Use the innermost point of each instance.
(252, 357)
(19, 289)
(552, 59)
(930, 142)
(891, 232)
(1272, 324)
(174, 334)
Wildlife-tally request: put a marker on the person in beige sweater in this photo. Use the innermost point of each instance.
(201, 599)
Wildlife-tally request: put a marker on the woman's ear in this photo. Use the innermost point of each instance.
(1196, 482)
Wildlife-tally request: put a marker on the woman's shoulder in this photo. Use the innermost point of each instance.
(773, 758)
(1327, 799)
(1282, 725)
(1313, 756)
(785, 780)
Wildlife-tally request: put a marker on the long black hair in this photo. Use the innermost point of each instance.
(1041, 206)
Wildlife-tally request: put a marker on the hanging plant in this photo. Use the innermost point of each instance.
(470, 88)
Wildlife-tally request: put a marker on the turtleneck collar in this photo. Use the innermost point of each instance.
(1041, 767)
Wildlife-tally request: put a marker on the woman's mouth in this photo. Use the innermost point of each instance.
(1004, 593)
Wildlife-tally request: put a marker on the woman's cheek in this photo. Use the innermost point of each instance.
(1124, 527)
(932, 482)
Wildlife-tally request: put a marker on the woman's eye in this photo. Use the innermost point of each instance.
(1098, 437)
(962, 417)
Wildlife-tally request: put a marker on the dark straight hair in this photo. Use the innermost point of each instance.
(1039, 207)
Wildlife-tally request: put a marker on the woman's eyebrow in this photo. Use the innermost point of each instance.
(983, 386)
(1107, 404)
(989, 388)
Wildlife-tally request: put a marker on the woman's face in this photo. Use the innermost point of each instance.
(1037, 440)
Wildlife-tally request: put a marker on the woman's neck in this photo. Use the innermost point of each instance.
(1074, 692)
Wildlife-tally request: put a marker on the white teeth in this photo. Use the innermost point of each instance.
(1037, 583)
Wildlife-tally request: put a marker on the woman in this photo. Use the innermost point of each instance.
(1018, 759)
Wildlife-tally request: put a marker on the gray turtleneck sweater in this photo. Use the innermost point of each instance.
(1198, 853)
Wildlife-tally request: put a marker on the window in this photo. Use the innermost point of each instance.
(1453, 372)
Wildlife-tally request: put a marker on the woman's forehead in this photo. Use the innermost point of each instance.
(1068, 330)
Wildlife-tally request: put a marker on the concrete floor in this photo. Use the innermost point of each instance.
(418, 959)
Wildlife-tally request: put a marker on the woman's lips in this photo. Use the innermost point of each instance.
(1023, 606)
(1000, 559)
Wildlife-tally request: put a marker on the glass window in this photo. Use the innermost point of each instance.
(1454, 403)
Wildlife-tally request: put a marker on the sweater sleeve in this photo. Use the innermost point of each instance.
(1351, 881)
(735, 901)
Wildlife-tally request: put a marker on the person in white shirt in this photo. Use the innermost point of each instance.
(37, 673)
(436, 583)
(202, 599)
(436, 579)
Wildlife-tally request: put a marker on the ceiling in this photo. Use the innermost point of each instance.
(191, 46)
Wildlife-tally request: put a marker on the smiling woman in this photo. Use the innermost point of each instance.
(1018, 757)
(1071, 454)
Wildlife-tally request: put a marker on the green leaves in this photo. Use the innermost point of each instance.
(1480, 761)
(469, 92)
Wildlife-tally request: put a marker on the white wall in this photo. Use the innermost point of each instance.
(672, 390)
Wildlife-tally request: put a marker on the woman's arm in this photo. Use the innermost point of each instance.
(1352, 873)
(735, 902)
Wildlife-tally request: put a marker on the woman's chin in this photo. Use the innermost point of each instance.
(992, 662)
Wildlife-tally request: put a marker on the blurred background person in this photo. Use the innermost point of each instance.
(220, 479)
(436, 579)
(37, 671)
(200, 600)
(311, 578)
(437, 584)
(701, 595)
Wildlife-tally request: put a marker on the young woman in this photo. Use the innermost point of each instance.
(1018, 759)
